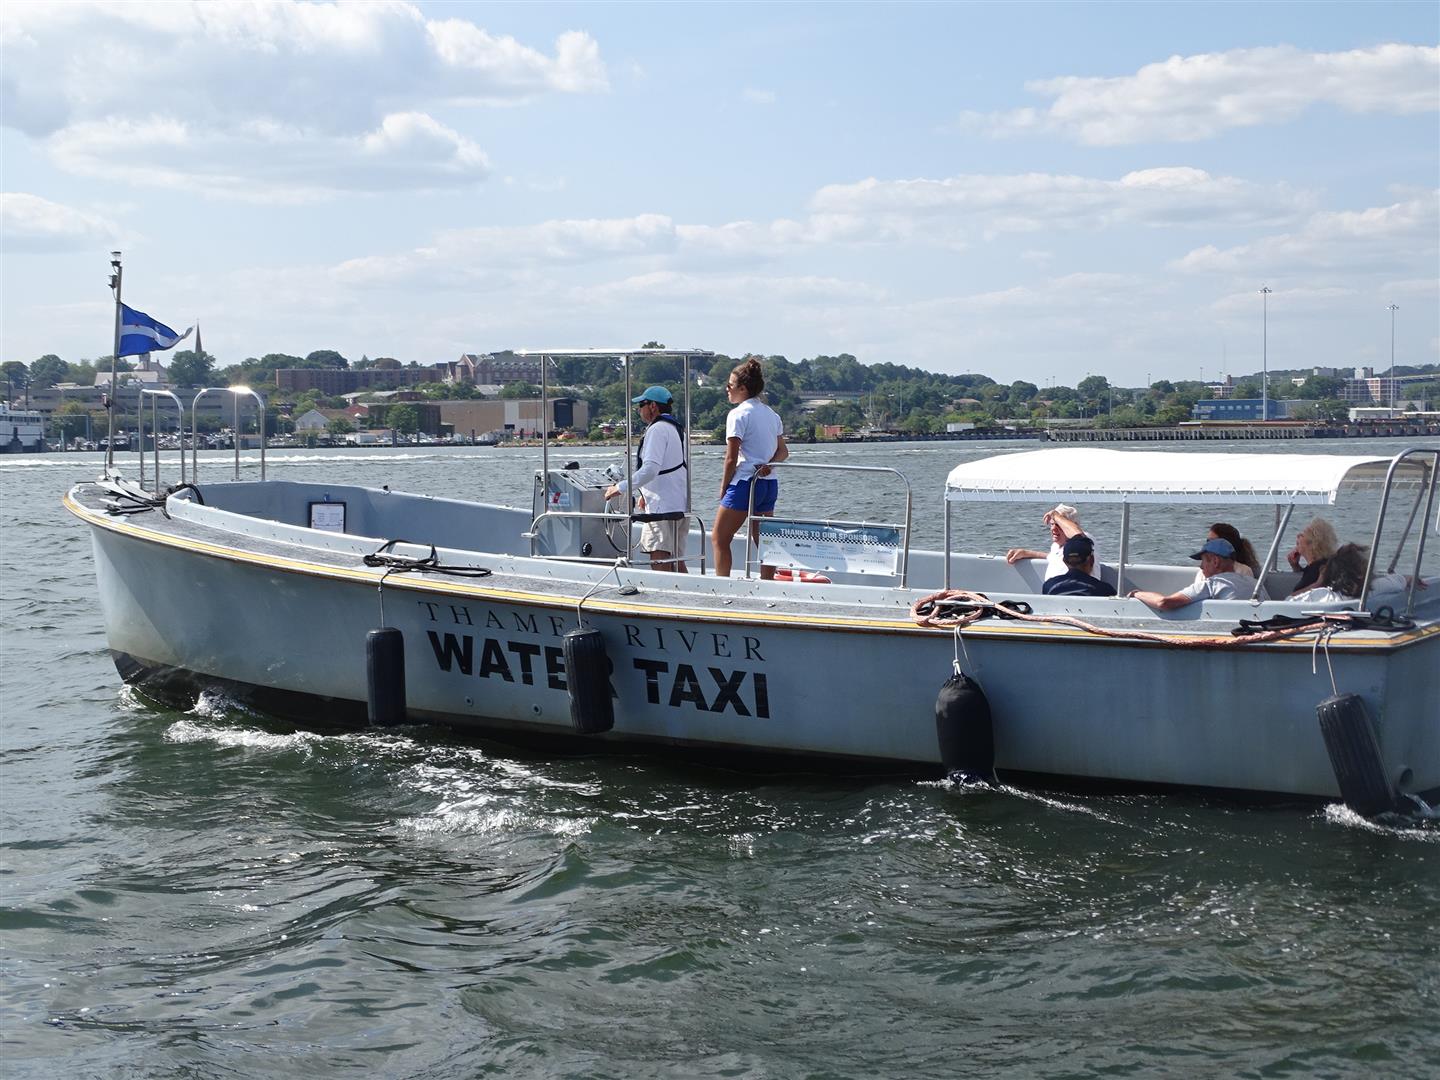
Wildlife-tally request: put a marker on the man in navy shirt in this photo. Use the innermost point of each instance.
(1079, 556)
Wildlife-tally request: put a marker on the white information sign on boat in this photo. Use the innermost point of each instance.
(814, 545)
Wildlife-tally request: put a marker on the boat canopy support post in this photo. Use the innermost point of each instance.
(1282, 519)
(945, 542)
(1124, 548)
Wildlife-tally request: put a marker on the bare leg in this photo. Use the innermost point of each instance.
(727, 524)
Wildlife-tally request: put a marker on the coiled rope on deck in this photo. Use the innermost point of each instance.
(950, 608)
(134, 500)
(385, 556)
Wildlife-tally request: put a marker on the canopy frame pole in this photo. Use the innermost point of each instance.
(1282, 519)
(1271, 562)
(1124, 547)
(945, 547)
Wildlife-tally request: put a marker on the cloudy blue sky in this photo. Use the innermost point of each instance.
(1027, 190)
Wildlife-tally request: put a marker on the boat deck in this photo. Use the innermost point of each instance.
(275, 536)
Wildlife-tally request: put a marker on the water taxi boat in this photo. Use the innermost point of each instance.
(271, 589)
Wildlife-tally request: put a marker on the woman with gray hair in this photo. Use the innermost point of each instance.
(1314, 545)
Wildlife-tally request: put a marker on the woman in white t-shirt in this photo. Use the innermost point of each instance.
(754, 439)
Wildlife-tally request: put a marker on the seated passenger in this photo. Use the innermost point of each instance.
(1315, 543)
(1219, 580)
(1063, 523)
(1079, 580)
(1343, 576)
(1246, 563)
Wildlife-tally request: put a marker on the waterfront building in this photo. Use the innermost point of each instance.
(497, 368)
(1242, 409)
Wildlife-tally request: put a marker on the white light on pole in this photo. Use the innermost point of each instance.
(1265, 292)
(1393, 307)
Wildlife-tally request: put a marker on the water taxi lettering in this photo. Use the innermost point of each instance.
(454, 653)
(673, 639)
(686, 686)
(668, 682)
(461, 615)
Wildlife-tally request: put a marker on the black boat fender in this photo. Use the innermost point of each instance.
(965, 732)
(1354, 751)
(385, 676)
(587, 673)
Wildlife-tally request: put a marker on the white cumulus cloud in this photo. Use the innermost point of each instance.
(1188, 98)
(32, 224)
(250, 100)
(950, 210)
(1405, 234)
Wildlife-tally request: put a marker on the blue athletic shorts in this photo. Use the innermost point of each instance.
(737, 495)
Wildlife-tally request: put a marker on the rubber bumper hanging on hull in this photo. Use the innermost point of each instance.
(1355, 755)
(587, 671)
(385, 676)
(964, 730)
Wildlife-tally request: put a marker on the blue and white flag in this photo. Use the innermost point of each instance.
(139, 333)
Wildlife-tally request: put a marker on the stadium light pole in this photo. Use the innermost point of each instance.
(1393, 307)
(1265, 292)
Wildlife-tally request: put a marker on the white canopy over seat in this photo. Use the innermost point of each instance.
(1154, 476)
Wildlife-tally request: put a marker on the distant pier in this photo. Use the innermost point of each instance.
(1383, 429)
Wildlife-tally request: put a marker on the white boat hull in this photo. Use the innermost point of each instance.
(829, 683)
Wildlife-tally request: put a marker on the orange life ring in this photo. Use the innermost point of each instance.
(804, 577)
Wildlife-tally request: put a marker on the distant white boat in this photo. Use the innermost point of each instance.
(22, 431)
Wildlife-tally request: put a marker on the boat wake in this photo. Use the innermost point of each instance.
(477, 817)
(958, 788)
(1422, 825)
(189, 731)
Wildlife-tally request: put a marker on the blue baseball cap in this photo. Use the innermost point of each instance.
(1080, 547)
(1220, 547)
(657, 394)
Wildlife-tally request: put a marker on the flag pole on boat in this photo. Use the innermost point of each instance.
(116, 272)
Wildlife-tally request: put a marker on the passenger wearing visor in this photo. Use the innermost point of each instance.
(1220, 581)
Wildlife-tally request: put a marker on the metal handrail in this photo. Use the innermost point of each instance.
(238, 391)
(750, 533)
(532, 535)
(155, 395)
(1380, 524)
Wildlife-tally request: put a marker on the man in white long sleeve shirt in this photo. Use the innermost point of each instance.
(659, 477)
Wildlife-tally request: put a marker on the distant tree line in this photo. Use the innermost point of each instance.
(884, 396)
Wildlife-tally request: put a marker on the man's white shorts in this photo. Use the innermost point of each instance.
(664, 536)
